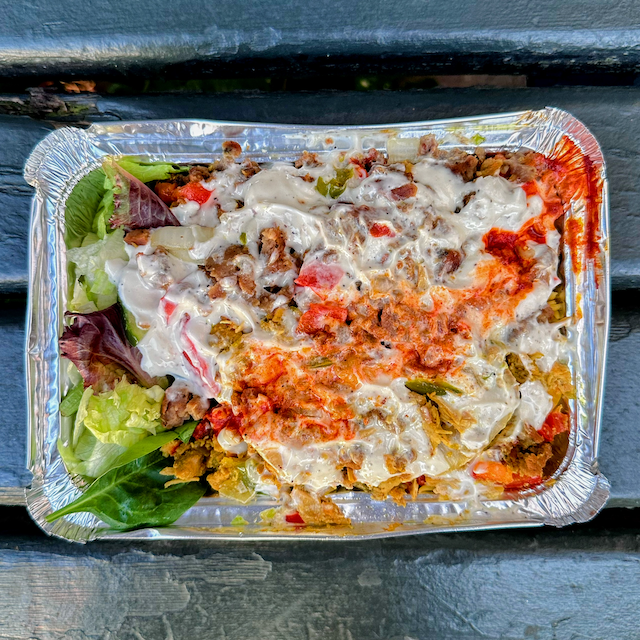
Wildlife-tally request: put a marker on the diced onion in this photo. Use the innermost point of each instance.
(172, 238)
(400, 149)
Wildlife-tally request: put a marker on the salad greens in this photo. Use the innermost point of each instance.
(108, 425)
(117, 428)
(82, 206)
(90, 205)
(96, 343)
(122, 416)
(134, 495)
(135, 205)
(93, 291)
(71, 401)
(150, 171)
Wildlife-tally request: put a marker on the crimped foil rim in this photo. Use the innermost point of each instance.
(65, 155)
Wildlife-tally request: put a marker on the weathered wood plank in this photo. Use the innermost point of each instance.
(613, 114)
(122, 37)
(510, 585)
(620, 437)
(13, 452)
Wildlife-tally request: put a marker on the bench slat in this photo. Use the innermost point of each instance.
(121, 37)
(540, 584)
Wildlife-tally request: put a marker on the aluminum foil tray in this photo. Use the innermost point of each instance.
(575, 493)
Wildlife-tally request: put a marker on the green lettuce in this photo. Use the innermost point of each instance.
(89, 207)
(92, 289)
(122, 416)
(89, 457)
(150, 171)
(82, 206)
(113, 428)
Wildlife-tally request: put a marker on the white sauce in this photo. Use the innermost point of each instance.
(168, 296)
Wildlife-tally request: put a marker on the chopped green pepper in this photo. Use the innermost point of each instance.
(426, 387)
(336, 186)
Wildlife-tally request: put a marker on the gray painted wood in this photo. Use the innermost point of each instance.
(121, 37)
(620, 436)
(613, 114)
(524, 585)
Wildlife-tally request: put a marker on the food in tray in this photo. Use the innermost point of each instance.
(387, 322)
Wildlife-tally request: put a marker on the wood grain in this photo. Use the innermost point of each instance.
(121, 37)
(519, 585)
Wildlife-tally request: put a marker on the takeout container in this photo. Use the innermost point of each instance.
(575, 493)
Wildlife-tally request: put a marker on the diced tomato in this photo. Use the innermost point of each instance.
(499, 473)
(555, 423)
(294, 518)
(195, 192)
(215, 420)
(168, 307)
(315, 319)
(319, 276)
(167, 191)
(378, 230)
(493, 472)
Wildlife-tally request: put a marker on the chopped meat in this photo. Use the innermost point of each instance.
(199, 173)
(371, 158)
(167, 191)
(308, 177)
(396, 463)
(249, 168)
(231, 148)
(408, 190)
(137, 237)
(530, 462)
(463, 164)
(236, 261)
(468, 198)
(315, 510)
(491, 166)
(180, 405)
(307, 160)
(517, 368)
(246, 284)
(273, 243)
(428, 145)
(216, 291)
(450, 261)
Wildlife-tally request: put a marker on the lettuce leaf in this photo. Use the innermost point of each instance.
(89, 457)
(134, 495)
(70, 403)
(122, 416)
(92, 290)
(97, 345)
(82, 206)
(150, 171)
(90, 205)
(135, 206)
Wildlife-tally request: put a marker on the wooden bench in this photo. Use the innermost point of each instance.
(577, 582)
